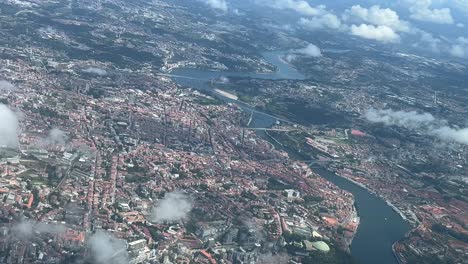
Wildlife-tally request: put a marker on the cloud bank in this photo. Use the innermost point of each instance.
(105, 249)
(376, 23)
(8, 127)
(377, 16)
(384, 24)
(175, 206)
(424, 122)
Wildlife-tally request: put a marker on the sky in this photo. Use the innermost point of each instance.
(436, 26)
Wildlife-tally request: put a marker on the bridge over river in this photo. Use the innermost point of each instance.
(380, 226)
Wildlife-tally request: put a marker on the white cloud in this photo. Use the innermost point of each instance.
(380, 23)
(55, 137)
(217, 4)
(422, 10)
(290, 57)
(311, 50)
(423, 122)
(105, 249)
(8, 127)
(439, 16)
(95, 71)
(314, 17)
(383, 34)
(411, 119)
(175, 206)
(452, 134)
(326, 21)
(377, 16)
(377, 23)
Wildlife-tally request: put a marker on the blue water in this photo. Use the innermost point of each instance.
(380, 226)
(284, 71)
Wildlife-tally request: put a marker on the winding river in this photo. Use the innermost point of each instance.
(380, 225)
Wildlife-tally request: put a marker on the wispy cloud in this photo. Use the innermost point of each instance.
(300, 6)
(460, 48)
(325, 21)
(310, 50)
(216, 4)
(175, 206)
(410, 119)
(28, 228)
(422, 122)
(8, 127)
(105, 248)
(55, 137)
(96, 71)
(422, 10)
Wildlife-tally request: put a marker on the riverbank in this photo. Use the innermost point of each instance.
(379, 222)
(398, 211)
(388, 202)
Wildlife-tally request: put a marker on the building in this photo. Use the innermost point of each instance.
(290, 193)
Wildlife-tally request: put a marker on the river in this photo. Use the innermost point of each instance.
(380, 225)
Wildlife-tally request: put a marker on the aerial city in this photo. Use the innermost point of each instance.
(233, 131)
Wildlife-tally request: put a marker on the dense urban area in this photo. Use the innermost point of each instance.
(106, 158)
